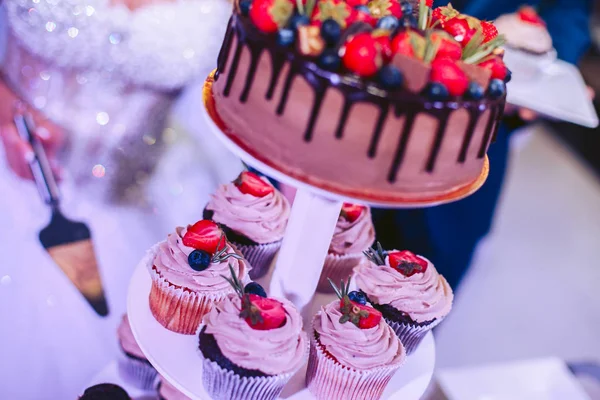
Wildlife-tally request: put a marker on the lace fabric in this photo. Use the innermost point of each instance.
(108, 75)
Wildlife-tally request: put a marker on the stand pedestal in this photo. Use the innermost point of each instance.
(309, 232)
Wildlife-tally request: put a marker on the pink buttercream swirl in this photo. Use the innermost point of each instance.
(423, 296)
(353, 237)
(361, 349)
(261, 219)
(171, 261)
(274, 351)
(126, 339)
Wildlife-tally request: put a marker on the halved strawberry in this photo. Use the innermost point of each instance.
(370, 320)
(442, 14)
(358, 15)
(496, 65)
(448, 72)
(457, 27)
(381, 8)
(362, 55)
(271, 312)
(271, 15)
(382, 37)
(205, 235)
(351, 212)
(472, 35)
(447, 46)
(338, 10)
(409, 43)
(407, 263)
(428, 3)
(489, 30)
(356, 3)
(530, 15)
(252, 184)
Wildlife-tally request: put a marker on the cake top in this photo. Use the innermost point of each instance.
(355, 334)
(197, 256)
(127, 340)
(391, 45)
(251, 206)
(257, 332)
(354, 231)
(405, 281)
(525, 30)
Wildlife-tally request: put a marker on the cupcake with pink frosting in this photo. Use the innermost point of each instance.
(186, 272)
(354, 233)
(133, 366)
(353, 352)
(412, 296)
(166, 391)
(254, 216)
(251, 345)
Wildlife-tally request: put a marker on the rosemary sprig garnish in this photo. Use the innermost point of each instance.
(376, 255)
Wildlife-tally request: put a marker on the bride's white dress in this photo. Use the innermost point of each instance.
(108, 75)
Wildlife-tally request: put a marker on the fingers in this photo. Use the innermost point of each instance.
(18, 152)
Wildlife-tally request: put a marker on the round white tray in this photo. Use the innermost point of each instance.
(176, 356)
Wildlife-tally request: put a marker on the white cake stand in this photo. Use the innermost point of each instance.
(176, 356)
(313, 216)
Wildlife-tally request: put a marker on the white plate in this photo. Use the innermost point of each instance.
(543, 379)
(176, 356)
(558, 91)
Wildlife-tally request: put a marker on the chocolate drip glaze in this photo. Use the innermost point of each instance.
(488, 132)
(353, 90)
(473, 117)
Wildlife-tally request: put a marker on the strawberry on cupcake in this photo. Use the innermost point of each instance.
(250, 343)
(254, 216)
(353, 352)
(406, 288)
(186, 274)
(354, 233)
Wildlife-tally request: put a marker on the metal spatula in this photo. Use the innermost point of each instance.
(68, 242)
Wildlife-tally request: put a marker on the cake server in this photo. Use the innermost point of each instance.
(69, 243)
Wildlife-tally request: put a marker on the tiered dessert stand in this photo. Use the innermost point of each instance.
(310, 228)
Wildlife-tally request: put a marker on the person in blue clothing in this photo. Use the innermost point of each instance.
(448, 234)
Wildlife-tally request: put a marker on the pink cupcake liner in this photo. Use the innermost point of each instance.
(138, 373)
(327, 379)
(337, 267)
(259, 256)
(411, 335)
(178, 309)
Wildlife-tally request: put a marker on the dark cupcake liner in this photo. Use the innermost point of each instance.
(259, 256)
(137, 372)
(411, 335)
(223, 380)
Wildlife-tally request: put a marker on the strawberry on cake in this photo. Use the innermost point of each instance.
(250, 344)
(381, 100)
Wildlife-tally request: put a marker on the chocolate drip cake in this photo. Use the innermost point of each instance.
(362, 99)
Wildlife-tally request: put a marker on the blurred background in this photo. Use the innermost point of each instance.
(531, 292)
